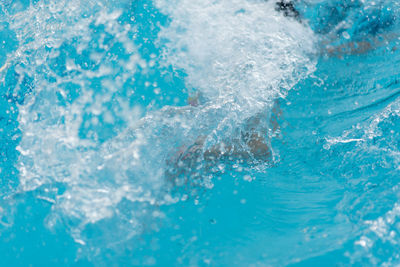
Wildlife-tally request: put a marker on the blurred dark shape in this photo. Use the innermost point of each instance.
(287, 8)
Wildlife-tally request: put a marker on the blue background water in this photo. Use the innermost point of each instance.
(330, 196)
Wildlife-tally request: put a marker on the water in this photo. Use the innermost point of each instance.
(128, 132)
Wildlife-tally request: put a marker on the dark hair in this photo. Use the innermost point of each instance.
(287, 8)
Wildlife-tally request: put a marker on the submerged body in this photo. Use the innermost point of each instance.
(254, 144)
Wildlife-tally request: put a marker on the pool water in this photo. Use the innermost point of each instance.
(108, 110)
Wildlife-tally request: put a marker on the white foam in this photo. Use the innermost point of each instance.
(236, 48)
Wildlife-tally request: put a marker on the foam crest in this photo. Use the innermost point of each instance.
(238, 49)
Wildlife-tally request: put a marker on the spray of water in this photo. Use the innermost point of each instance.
(81, 134)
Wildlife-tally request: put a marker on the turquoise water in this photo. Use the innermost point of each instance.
(125, 128)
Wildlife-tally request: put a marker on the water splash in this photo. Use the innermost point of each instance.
(92, 149)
